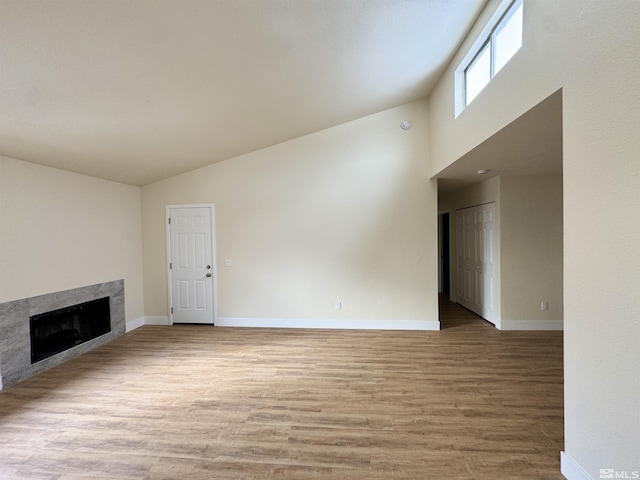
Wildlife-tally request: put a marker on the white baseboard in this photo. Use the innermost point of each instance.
(329, 323)
(349, 324)
(132, 325)
(156, 321)
(571, 470)
(530, 325)
(139, 322)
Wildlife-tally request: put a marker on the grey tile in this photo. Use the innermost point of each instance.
(117, 288)
(15, 341)
(13, 307)
(13, 328)
(92, 292)
(117, 310)
(16, 359)
(15, 377)
(52, 301)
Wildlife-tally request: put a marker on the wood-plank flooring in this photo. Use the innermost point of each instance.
(199, 402)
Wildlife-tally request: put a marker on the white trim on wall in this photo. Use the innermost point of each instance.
(342, 324)
(329, 323)
(157, 320)
(133, 324)
(139, 322)
(530, 324)
(571, 470)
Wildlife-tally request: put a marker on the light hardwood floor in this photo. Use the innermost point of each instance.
(198, 402)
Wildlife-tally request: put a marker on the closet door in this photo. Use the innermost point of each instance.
(476, 266)
(469, 260)
(487, 262)
(459, 291)
(475, 246)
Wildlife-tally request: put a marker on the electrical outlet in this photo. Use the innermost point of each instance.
(338, 305)
(544, 306)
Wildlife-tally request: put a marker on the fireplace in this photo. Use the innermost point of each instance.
(27, 348)
(56, 331)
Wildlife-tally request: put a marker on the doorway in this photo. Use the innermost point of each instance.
(191, 268)
(444, 256)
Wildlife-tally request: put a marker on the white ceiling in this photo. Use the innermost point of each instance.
(139, 90)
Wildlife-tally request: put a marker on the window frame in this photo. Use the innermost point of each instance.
(498, 21)
(486, 45)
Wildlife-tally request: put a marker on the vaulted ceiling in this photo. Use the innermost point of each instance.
(140, 90)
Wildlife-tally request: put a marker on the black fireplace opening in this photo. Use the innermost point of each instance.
(56, 331)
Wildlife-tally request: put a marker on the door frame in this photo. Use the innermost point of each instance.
(214, 263)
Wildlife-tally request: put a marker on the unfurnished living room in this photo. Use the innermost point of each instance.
(319, 239)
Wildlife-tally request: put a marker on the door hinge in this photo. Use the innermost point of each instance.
(171, 310)
(169, 220)
(170, 266)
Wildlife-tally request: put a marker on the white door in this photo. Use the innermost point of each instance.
(487, 261)
(460, 258)
(466, 258)
(475, 239)
(191, 268)
(476, 264)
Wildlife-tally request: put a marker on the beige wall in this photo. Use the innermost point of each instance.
(62, 230)
(590, 50)
(346, 214)
(531, 248)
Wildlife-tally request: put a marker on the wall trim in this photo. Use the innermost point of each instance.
(344, 324)
(157, 320)
(133, 324)
(571, 470)
(139, 322)
(530, 325)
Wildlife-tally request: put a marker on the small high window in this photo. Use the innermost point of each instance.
(478, 74)
(500, 40)
(507, 38)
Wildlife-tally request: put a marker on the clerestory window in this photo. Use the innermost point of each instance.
(500, 40)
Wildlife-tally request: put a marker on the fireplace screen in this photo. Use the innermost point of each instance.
(59, 330)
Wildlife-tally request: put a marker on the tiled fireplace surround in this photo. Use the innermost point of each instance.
(15, 339)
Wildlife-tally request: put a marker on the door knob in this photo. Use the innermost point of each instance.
(208, 275)
(208, 267)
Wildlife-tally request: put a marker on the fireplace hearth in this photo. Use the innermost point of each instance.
(56, 331)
